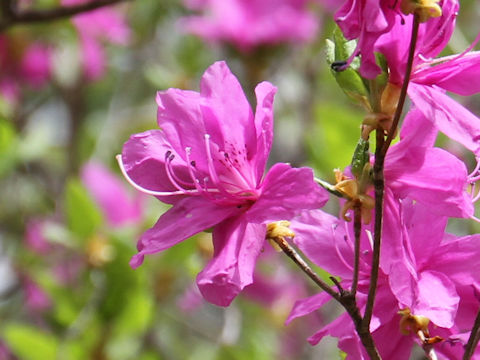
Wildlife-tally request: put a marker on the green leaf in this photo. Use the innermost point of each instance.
(83, 216)
(8, 141)
(361, 157)
(29, 343)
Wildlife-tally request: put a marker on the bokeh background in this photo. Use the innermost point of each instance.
(72, 91)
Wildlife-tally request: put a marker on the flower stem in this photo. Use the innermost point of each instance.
(297, 259)
(382, 146)
(473, 339)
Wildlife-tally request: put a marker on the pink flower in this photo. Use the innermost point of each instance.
(118, 207)
(432, 77)
(431, 273)
(35, 298)
(93, 27)
(34, 237)
(248, 24)
(208, 161)
(22, 64)
(366, 21)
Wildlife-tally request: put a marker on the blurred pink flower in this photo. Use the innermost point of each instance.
(208, 161)
(247, 24)
(36, 299)
(105, 24)
(109, 192)
(22, 63)
(34, 237)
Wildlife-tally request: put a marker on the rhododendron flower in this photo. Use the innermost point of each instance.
(249, 23)
(22, 64)
(366, 21)
(208, 161)
(432, 77)
(105, 24)
(118, 207)
(430, 274)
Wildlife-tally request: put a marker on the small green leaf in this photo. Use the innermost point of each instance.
(29, 343)
(83, 216)
(360, 157)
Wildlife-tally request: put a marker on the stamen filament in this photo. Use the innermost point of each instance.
(152, 192)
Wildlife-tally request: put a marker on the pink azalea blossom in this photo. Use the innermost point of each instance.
(118, 207)
(208, 161)
(432, 77)
(22, 64)
(366, 21)
(35, 298)
(431, 273)
(94, 27)
(34, 237)
(248, 24)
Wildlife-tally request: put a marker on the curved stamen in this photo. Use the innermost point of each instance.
(168, 169)
(153, 192)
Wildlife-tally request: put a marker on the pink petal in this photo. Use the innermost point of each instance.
(186, 218)
(450, 117)
(143, 156)
(264, 125)
(306, 306)
(322, 238)
(109, 192)
(226, 111)
(437, 298)
(286, 191)
(237, 245)
(432, 176)
(455, 258)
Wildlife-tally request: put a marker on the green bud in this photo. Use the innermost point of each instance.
(360, 157)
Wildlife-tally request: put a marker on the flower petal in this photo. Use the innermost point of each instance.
(437, 298)
(455, 258)
(264, 125)
(431, 176)
(322, 238)
(308, 305)
(450, 117)
(237, 244)
(143, 156)
(226, 111)
(186, 218)
(286, 191)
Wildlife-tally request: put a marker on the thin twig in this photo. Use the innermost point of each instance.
(297, 259)
(382, 146)
(473, 339)
(12, 17)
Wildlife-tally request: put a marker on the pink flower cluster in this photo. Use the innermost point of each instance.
(247, 24)
(209, 156)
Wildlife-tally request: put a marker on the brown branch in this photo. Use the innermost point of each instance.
(473, 339)
(12, 17)
(297, 259)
